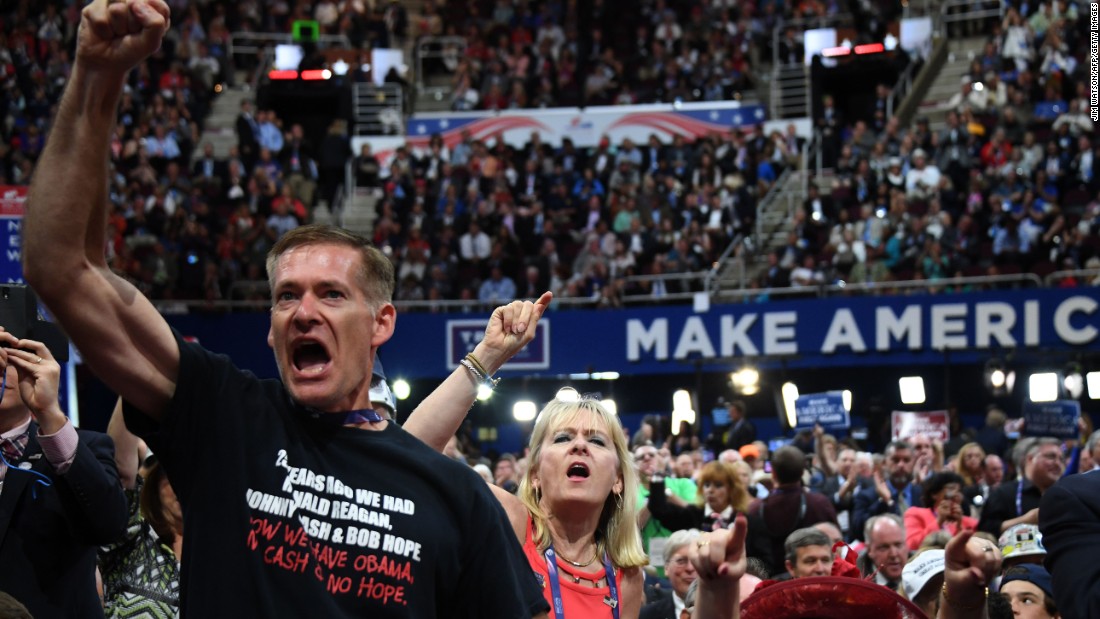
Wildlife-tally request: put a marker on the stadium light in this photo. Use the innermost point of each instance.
(789, 392)
(524, 410)
(682, 410)
(1092, 379)
(912, 389)
(746, 381)
(401, 389)
(1043, 387)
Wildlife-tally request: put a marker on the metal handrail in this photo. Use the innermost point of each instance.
(802, 24)
(764, 205)
(251, 42)
(1027, 279)
(830, 290)
(1053, 277)
(426, 48)
(716, 269)
(901, 88)
(968, 14)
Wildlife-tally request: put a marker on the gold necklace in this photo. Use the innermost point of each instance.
(595, 553)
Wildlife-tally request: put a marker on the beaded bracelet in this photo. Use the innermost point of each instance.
(957, 606)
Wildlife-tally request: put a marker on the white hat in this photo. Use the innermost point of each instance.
(1022, 540)
(380, 393)
(920, 570)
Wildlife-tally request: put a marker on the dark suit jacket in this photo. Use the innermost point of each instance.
(1000, 505)
(866, 503)
(220, 170)
(663, 608)
(779, 515)
(740, 435)
(49, 535)
(831, 486)
(1069, 517)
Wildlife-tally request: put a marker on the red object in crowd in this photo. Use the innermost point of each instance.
(827, 597)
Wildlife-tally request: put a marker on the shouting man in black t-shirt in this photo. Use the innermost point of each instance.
(298, 498)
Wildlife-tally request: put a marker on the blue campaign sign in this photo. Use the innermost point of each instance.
(464, 334)
(826, 409)
(11, 233)
(720, 416)
(1057, 419)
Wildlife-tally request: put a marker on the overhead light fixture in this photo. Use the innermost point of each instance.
(912, 389)
(594, 376)
(401, 389)
(789, 392)
(846, 399)
(1092, 380)
(611, 406)
(1043, 387)
(1073, 381)
(524, 410)
(746, 381)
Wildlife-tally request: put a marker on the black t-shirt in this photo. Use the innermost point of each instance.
(287, 516)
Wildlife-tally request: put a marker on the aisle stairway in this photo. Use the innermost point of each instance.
(949, 81)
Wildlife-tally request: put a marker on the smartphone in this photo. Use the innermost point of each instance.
(19, 316)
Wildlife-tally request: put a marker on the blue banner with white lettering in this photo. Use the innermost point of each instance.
(1057, 419)
(12, 198)
(826, 409)
(843, 331)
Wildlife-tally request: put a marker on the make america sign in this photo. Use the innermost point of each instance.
(861, 326)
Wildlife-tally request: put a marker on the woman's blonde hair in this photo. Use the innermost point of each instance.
(617, 531)
(968, 479)
(726, 474)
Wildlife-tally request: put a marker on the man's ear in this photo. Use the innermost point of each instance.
(385, 321)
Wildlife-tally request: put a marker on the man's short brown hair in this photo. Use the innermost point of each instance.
(376, 272)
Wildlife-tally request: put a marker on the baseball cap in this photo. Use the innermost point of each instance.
(1022, 540)
(749, 451)
(1032, 573)
(921, 569)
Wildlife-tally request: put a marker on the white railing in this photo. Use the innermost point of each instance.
(1019, 280)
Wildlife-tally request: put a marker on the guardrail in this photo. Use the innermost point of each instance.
(948, 15)
(252, 42)
(716, 270)
(435, 48)
(1020, 280)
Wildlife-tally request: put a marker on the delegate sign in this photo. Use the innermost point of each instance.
(826, 409)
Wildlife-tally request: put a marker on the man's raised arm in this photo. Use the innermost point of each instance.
(119, 333)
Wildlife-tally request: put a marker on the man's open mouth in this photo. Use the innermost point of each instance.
(310, 357)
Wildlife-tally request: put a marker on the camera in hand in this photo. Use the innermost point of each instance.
(19, 316)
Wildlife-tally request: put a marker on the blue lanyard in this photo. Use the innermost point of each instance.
(361, 415)
(1019, 497)
(555, 586)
